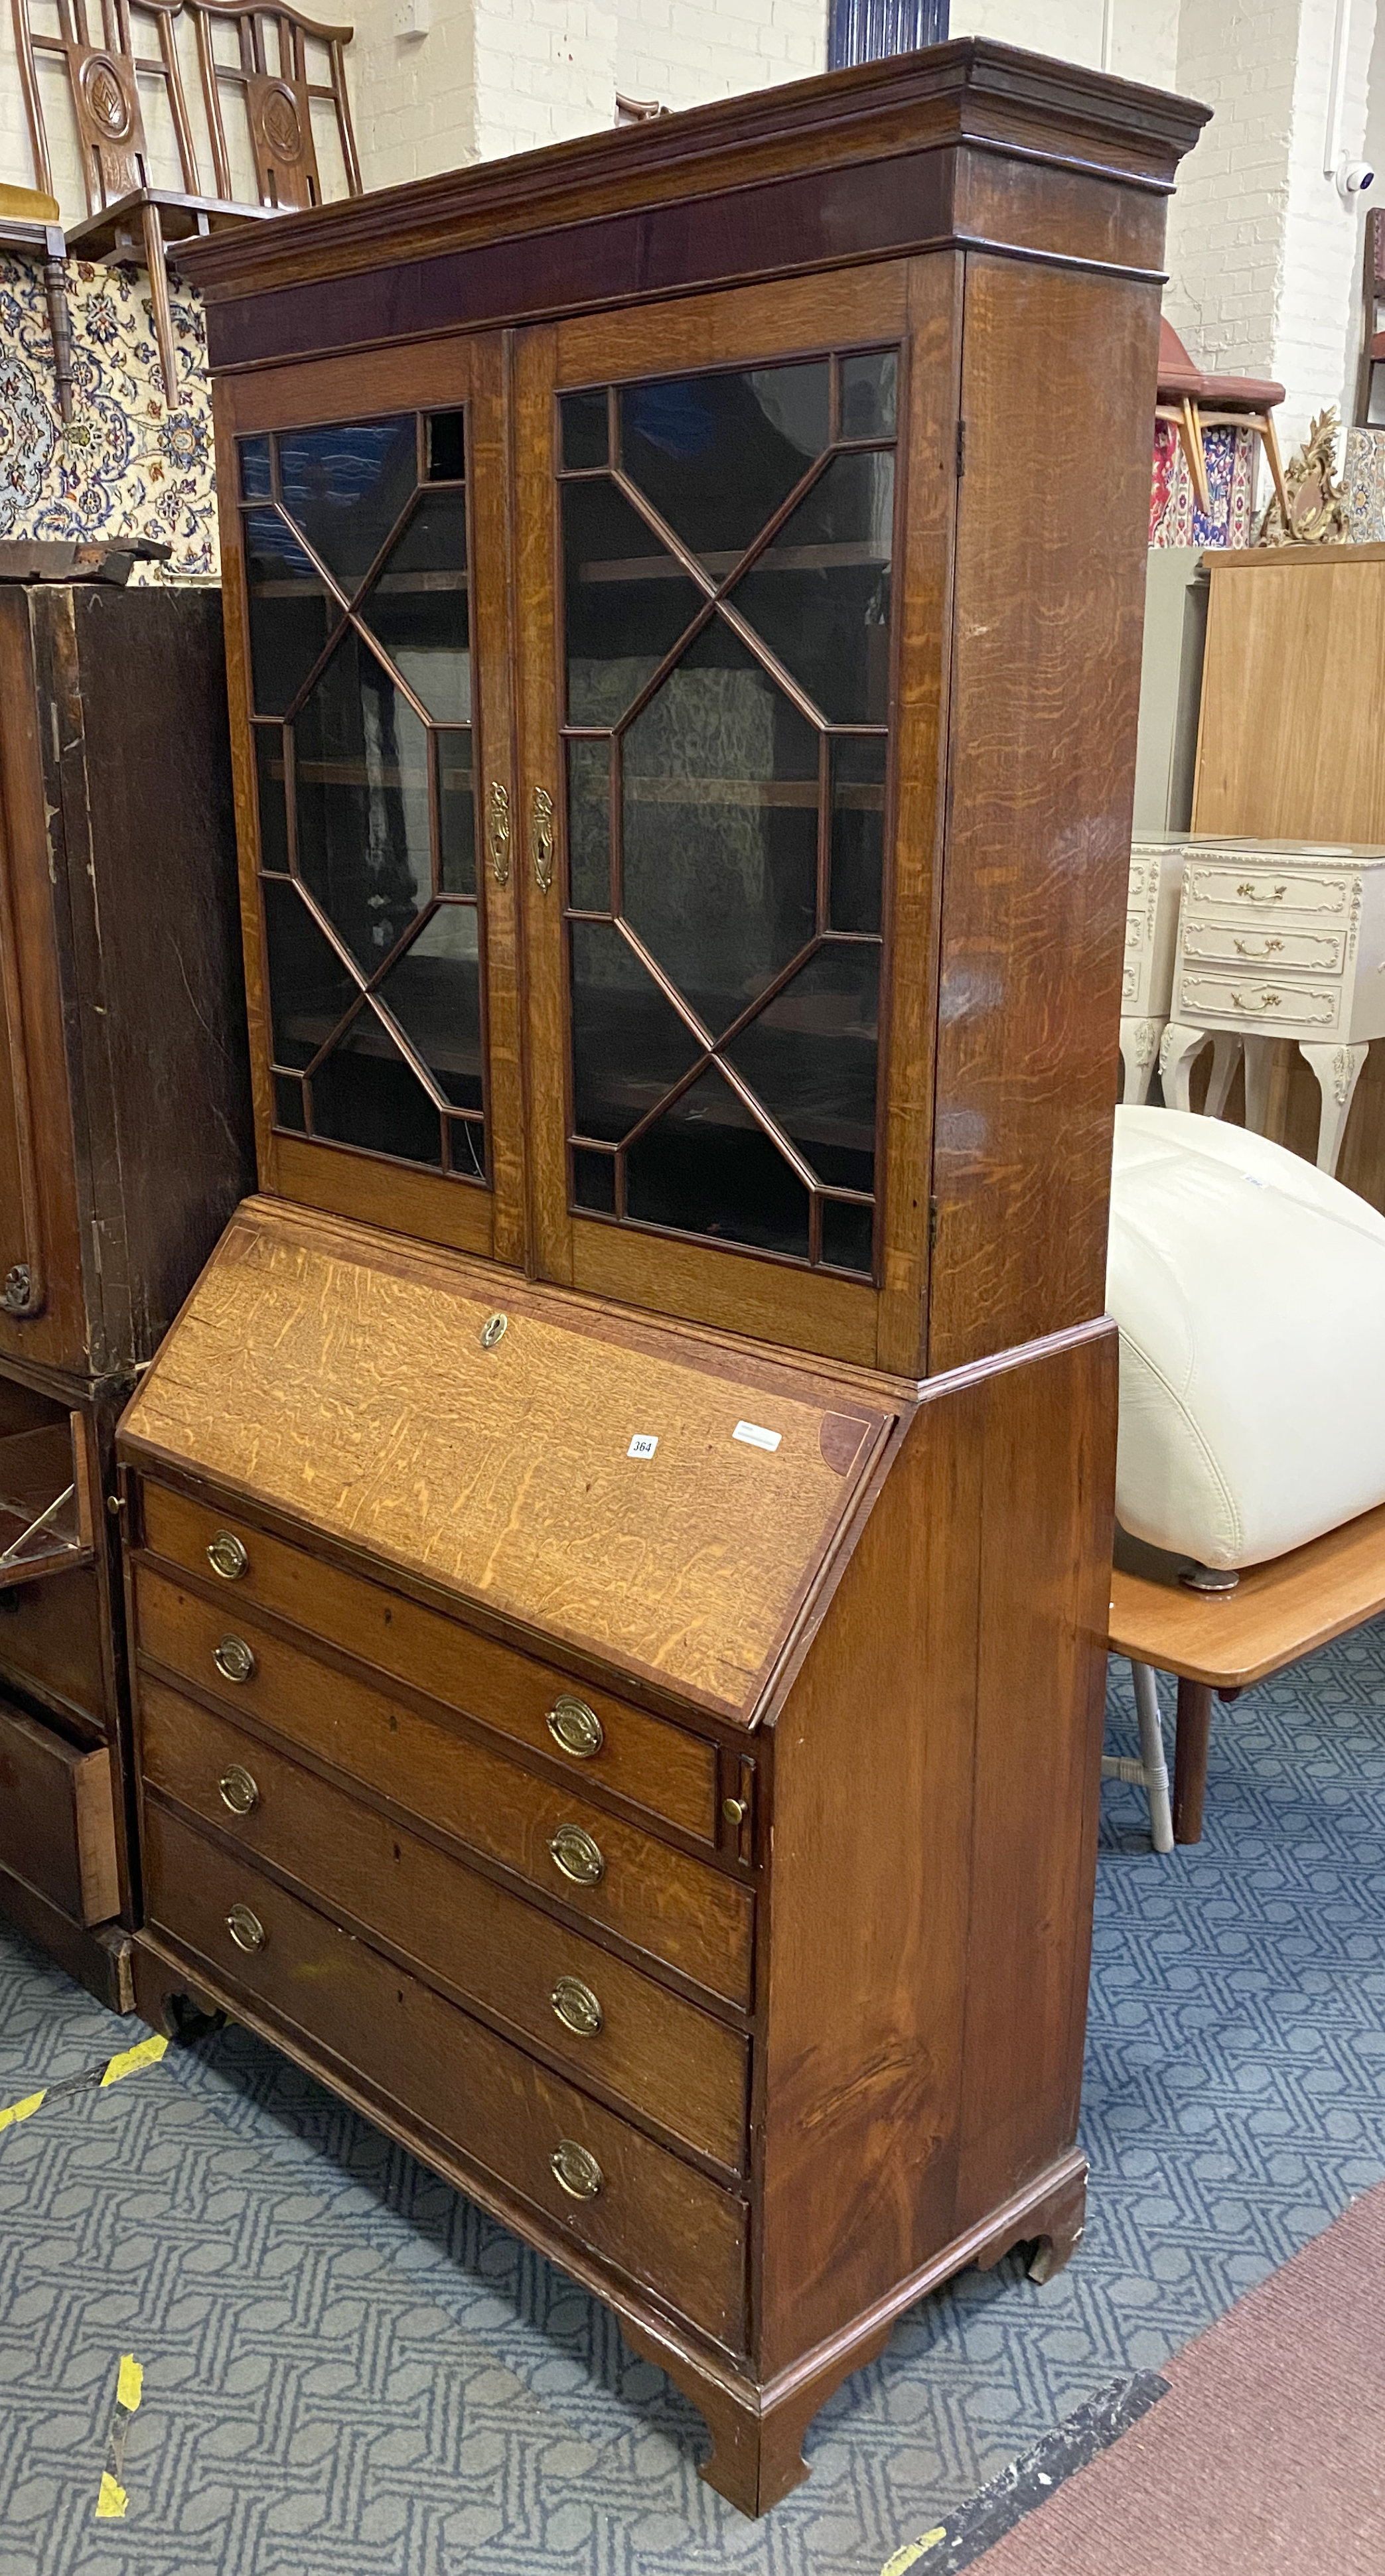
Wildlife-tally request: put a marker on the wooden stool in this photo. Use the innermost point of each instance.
(1223, 1641)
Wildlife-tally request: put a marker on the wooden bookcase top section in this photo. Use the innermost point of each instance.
(920, 151)
(340, 1376)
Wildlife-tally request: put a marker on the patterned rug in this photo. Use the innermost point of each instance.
(350, 2372)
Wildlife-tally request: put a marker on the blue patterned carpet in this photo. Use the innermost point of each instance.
(349, 2372)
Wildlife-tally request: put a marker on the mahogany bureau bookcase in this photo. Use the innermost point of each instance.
(125, 1143)
(619, 1537)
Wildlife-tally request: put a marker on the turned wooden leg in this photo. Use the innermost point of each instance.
(161, 302)
(1195, 454)
(60, 326)
(1190, 1759)
(1270, 439)
(1179, 1050)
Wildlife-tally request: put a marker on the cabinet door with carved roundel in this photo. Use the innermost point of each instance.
(377, 843)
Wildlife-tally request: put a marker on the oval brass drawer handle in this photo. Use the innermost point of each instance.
(246, 1929)
(577, 2007)
(577, 1856)
(234, 1660)
(575, 1727)
(239, 1790)
(227, 1557)
(576, 2170)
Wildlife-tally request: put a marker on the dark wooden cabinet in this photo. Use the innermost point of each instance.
(124, 1145)
(619, 1537)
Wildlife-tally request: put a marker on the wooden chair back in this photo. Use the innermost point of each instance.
(270, 74)
(136, 40)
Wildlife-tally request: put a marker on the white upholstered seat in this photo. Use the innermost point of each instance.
(1250, 1294)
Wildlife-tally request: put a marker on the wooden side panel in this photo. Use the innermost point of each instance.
(936, 1775)
(50, 1643)
(1289, 745)
(141, 795)
(57, 1821)
(1047, 1522)
(33, 1065)
(1045, 694)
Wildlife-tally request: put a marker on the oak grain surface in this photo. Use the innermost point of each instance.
(1278, 1612)
(364, 1402)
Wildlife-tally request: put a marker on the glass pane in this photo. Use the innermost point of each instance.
(720, 827)
(847, 1234)
(869, 395)
(627, 602)
(361, 785)
(254, 469)
(820, 595)
(446, 446)
(706, 1168)
(269, 775)
(858, 833)
(292, 612)
(346, 486)
(594, 1180)
(456, 814)
(310, 988)
(811, 1056)
(718, 454)
(629, 1045)
(418, 607)
(589, 825)
(435, 994)
(466, 1148)
(586, 432)
(288, 1103)
(365, 1093)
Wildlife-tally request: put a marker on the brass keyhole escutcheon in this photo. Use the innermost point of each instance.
(498, 832)
(575, 1727)
(543, 839)
(576, 2169)
(239, 1791)
(246, 1929)
(493, 1331)
(577, 1856)
(577, 2007)
(227, 1557)
(234, 1660)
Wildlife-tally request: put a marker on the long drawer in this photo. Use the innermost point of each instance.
(641, 1757)
(578, 2002)
(1249, 944)
(57, 1818)
(680, 1909)
(1257, 1001)
(1253, 890)
(636, 2205)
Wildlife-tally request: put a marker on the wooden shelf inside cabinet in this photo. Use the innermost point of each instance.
(45, 1502)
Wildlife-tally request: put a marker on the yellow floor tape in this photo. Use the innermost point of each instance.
(112, 2497)
(113, 2070)
(914, 2550)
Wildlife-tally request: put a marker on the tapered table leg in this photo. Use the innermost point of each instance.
(1190, 1759)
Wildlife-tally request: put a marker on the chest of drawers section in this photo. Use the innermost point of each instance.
(1289, 942)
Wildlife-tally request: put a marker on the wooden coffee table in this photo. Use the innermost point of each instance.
(1223, 1641)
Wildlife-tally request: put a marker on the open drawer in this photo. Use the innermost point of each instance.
(46, 1522)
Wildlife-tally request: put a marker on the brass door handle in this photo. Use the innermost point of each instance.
(543, 839)
(246, 1929)
(575, 1728)
(234, 1659)
(577, 1856)
(239, 1790)
(498, 832)
(227, 1557)
(576, 2169)
(577, 2008)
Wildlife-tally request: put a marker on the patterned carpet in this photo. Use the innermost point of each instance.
(349, 2372)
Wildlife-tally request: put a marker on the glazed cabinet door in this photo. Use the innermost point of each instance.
(735, 517)
(365, 570)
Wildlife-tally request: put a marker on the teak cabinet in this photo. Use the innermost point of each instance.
(125, 1141)
(619, 1536)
